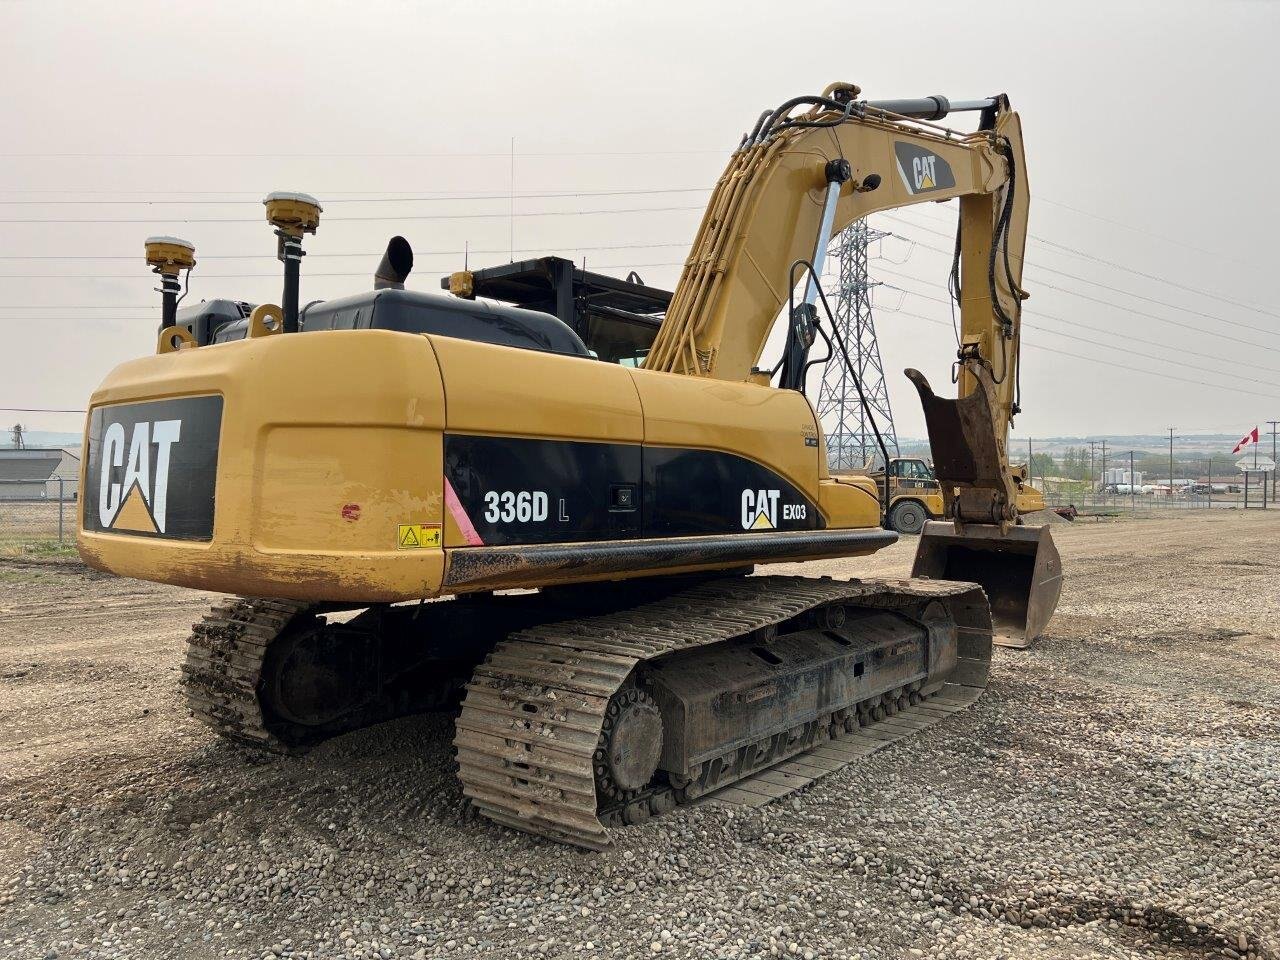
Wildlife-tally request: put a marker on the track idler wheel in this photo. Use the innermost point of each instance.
(629, 748)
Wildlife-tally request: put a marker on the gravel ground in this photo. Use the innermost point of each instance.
(1114, 794)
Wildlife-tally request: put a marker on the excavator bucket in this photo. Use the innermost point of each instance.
(1020, 570)
(1018, 566)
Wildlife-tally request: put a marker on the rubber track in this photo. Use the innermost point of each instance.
(534, 710)
(223, 667)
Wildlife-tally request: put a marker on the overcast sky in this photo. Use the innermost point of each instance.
(1151, 145)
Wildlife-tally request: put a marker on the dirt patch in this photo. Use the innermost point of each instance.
(1110, 796)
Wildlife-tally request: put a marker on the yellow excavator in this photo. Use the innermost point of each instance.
(584, 529)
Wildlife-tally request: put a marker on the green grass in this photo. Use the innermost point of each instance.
(25, 575)
(38, 547)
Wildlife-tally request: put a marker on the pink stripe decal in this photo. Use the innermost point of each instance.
(460, 515)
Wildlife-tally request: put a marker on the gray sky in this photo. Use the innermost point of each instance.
(1150, 144)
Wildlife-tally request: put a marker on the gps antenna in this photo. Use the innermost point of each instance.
(292, 214)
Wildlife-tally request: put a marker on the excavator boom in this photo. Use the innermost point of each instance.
(796, 181)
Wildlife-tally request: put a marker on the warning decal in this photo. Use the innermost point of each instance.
(416, 536)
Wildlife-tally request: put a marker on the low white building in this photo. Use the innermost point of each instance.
(39, 473)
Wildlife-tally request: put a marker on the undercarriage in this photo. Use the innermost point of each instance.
(582, 709)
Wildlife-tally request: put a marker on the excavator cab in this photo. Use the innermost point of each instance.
(1017, 566)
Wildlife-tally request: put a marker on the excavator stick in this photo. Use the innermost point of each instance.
(1017, 566)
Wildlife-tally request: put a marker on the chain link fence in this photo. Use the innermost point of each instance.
(1064, 494)
(45, 510)
(38, 510)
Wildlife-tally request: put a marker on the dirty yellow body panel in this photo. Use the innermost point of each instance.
(931, 500)
(313, 482)
(334, 488)
(1030, 499)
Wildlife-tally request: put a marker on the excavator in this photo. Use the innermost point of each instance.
(428, 501)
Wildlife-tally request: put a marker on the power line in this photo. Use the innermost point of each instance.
(337, 196)
(1077, 323)
(1158, 279)
(1150, 276)
(1127, 309)
(363, 273)
(906, 313)
(328, 201)
(1165, 303)
(1109, 363)
(927, 246)
(691, 189)
(1155, 316)
(505, 154)
(1146, 233)
(1098, 343)
(371, 253)
(413, 216)
(277, 274)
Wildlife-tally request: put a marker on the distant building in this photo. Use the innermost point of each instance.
(1118, 475)
(35, 473)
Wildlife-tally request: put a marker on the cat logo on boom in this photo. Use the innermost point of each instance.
(922, 170)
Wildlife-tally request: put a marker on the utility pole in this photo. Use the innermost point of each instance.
(1272, 424)
(1211, 480)
(1092, 473)
(1104, 471)
(1171, 429)
(1030, 472)
(1133, 499)
(511, 220)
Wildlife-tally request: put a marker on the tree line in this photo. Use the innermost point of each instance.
(1074, 464)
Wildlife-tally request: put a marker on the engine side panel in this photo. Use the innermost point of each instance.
(350, 465)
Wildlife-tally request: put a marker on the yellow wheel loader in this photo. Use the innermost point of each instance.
(911, 494)
(914, 496)
(583, 528)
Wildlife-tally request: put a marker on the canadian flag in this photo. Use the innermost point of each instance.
(1248, 438)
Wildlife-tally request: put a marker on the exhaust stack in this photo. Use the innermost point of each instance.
(292, 214)
(395, 267)
(166, 256)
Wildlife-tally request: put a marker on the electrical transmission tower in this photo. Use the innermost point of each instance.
(851, 441)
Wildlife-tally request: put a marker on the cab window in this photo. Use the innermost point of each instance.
(914, 470)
